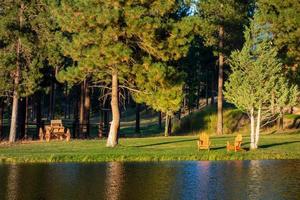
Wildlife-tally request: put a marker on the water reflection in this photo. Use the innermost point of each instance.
(12, 182)
(254, 186)
(153, 180)
(114, 180)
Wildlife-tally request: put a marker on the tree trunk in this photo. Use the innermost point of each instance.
(137, 118)
(87, 107)
(280, 119)
(220, 83)
(81, 108)
(168, 126)
(257, 131)
(15, 107)
(112, 139)
(26, 119)
(252, 127)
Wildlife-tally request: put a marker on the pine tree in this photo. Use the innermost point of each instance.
(160, 87)
(109, 40)
(282, 19)
(221, 23)
(257, 80)
(23, 38)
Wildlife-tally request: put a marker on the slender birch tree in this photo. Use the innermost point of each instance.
(257, 84)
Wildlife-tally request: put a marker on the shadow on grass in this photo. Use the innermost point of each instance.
(162, 143)
(217, 148)
(277, 144)
(145, 131)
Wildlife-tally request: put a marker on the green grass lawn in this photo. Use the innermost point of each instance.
(272, 146)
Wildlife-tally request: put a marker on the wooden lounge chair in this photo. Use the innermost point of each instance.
(204, 142)
(237, 144)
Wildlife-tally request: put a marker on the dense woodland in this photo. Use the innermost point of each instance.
(91, 62)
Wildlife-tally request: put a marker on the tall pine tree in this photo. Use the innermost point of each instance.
(109, 40)
(222, 24)
(19, 53)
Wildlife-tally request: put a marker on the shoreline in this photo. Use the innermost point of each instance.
(152, 149)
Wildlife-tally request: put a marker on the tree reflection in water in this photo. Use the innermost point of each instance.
(184, 180)
(12, 182)
(114, 180)
(255, 175)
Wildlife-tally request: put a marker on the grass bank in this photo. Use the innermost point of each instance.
(205, 120)
(272, 146)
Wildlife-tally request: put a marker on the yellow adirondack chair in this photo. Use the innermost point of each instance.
(204, 142)
(237, 144)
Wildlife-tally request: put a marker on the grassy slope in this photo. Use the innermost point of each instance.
(149, 149)
(205, 120)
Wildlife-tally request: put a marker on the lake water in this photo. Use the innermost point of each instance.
(186, 180)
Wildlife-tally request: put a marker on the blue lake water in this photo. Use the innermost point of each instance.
(187, 180)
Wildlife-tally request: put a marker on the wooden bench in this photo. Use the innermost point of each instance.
(55, 130)
(204, 142)
(237, 144)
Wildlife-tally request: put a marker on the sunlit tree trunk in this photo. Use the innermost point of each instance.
(168, 125)
(257, 131)
(112, 139)
(252, 128)
(280, 119)
(220, 83)
(15, 108)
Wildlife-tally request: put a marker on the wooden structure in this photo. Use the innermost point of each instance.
(237, 144)
(204, 142)
(55, 130)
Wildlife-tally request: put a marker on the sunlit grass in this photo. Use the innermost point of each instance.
(273, 146)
